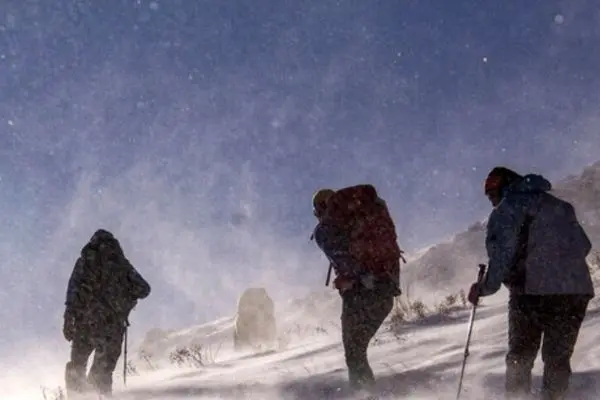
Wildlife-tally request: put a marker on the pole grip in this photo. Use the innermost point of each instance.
(125, 339)
(481, 273)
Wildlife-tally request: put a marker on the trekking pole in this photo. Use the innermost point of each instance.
(312, 237)
(125, 354)
(328, 275)
(480, 276)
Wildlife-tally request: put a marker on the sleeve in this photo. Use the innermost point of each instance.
(582, 241)
(587, 243)
(502, 243)
(336, 247)
(77, 288)
(140, 288)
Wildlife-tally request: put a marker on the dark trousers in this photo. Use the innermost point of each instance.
(552, 322)
(106, 344)
(363, 312)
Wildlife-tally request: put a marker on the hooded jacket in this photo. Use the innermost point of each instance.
(537, 233)
(103, 286)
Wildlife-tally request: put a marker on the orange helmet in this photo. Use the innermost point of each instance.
(499, 178)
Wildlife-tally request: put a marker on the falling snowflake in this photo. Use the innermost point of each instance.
(559, 19)
(11, 21)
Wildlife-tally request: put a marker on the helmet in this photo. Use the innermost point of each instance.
(319, 199)
(499, 178)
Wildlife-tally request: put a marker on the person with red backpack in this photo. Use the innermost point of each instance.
(357, 234)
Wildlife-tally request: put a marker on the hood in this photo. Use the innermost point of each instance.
(104, 242)
(530, 183)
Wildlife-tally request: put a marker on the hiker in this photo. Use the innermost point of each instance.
(358, 236)
(537, 249)
(103, 289)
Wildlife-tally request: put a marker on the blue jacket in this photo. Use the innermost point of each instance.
(554, 258)
(335, 244)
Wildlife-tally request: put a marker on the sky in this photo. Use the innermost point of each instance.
(197, 132)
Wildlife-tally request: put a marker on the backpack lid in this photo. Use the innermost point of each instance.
(344, 203)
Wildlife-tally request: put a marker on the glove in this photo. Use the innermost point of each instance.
(474, 293)
(69, 326)
(343, 283)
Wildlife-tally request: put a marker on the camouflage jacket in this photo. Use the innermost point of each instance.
(103, 285)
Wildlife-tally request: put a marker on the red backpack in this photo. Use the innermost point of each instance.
(373, 240)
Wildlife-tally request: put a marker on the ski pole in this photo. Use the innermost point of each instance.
(125, 354)
(328, 275)
(480, 276)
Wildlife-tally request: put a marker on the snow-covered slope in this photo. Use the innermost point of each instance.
(316, 313)
(421, 362)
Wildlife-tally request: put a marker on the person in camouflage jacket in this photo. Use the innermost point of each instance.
(103, 289)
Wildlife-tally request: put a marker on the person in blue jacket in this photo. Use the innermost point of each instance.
(537, 248)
